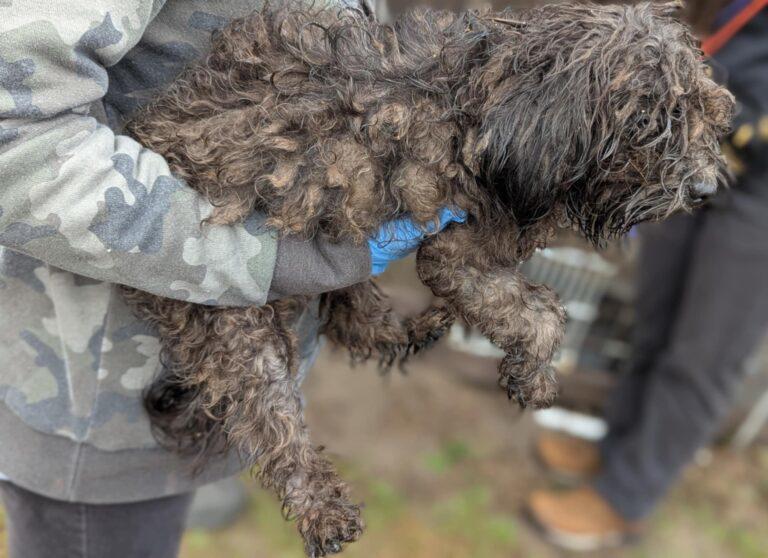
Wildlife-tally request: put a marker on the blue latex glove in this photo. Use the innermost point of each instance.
(396, 239)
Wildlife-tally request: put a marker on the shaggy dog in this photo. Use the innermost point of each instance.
(596, 117)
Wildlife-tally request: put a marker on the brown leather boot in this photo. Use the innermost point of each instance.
(567, 457)
(579, 520)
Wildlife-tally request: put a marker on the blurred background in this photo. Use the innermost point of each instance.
(444, 462)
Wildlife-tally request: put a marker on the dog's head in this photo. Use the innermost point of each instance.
(605, 114)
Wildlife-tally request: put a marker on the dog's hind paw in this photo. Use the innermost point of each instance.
(326, 528)
(534, 387)
(425, 329)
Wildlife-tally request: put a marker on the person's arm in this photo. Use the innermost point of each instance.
(76, 195)
(312, 267)
(318, 265)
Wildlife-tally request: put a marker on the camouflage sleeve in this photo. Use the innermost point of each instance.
(76, 195)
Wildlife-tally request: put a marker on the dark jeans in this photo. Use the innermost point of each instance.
(39, 527)
(702, 307)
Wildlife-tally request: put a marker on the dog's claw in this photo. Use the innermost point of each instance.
(329, 529)
(512, 393)
(521, 401)
(515, 358)
(535, 388)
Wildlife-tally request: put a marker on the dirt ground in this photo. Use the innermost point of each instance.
(443, 463)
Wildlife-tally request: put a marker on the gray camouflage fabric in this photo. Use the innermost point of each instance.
(83, 208)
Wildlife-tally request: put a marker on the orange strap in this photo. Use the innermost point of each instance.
(717, 40)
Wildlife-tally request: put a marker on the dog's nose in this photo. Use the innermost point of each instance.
(703, 189)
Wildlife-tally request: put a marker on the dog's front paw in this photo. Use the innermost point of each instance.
(329, 525)
(534, 386)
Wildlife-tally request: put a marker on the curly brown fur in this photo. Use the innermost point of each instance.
(231, 384)
(327, 121)
(361, 319)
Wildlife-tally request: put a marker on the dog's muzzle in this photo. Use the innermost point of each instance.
(704, 189)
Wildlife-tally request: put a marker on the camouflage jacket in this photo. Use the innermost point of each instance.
(83, 208)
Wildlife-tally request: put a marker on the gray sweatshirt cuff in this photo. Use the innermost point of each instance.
(312, 267)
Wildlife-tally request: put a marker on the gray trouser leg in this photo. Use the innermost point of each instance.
(39, 527)
(702, 307)
(665, 254)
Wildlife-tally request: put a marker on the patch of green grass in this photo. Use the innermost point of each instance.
(2, 532)
(383, 503)
(265, 515)
(448, 456)
(199, 539)
(743, 541)
(747, 543)
(468, 515)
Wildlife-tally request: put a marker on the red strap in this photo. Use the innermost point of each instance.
(717, 40)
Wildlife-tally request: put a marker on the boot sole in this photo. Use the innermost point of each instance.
(579, 543)
(560, 476)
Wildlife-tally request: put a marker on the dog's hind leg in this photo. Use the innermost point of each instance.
(525, 320)
(427, 328)
(232, 386)
(360, 318)
(252, 370)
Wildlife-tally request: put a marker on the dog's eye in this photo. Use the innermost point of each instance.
(643, 120)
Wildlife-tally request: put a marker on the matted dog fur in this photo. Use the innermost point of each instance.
(595, 117)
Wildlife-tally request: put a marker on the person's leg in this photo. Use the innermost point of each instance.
(722, 315)
(39, 527)
(665, 253)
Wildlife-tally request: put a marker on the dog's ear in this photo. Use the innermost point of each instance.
(535, 139)
(669, 9)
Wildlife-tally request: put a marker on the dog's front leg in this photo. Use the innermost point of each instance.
(525, 320)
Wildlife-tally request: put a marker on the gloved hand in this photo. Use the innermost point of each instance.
(398, 238)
